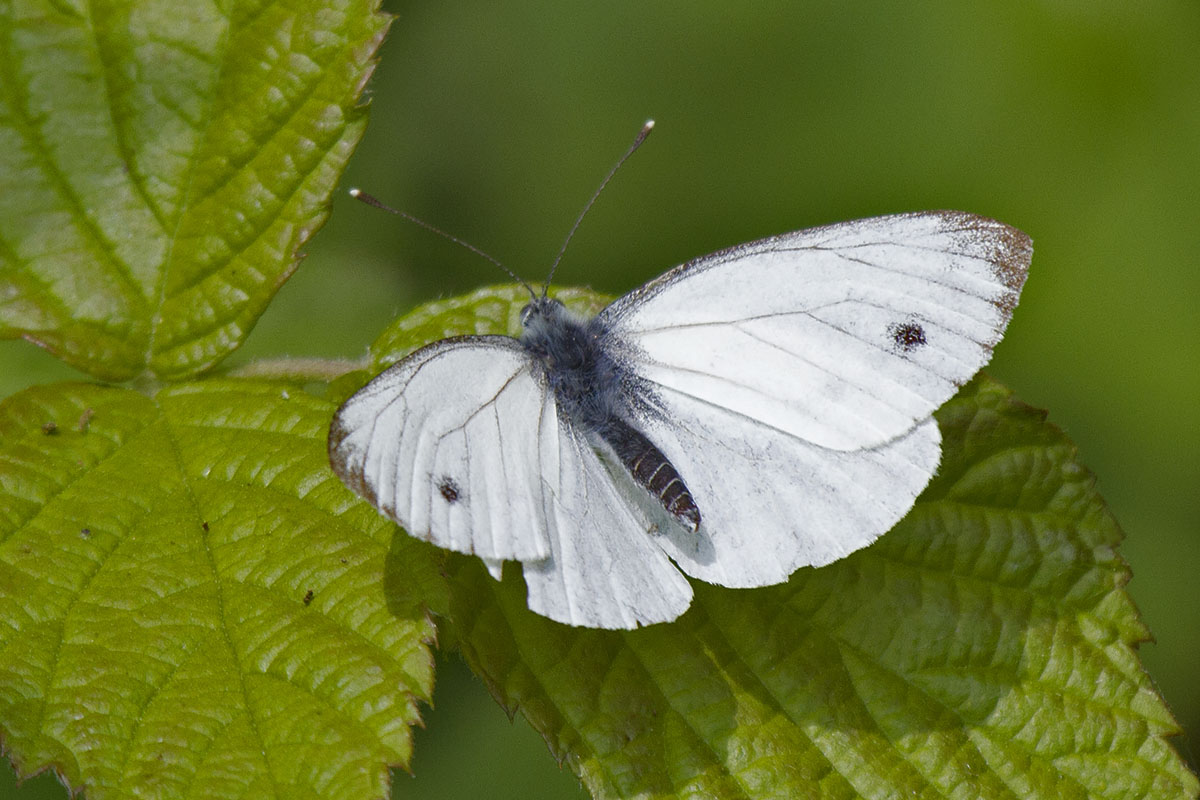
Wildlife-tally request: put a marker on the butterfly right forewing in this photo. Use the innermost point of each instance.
(845, 336)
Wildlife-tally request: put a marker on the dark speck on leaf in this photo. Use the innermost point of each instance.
(205, 526)
(908, 336)
(308, 597)
(50, 428)
(86, 533)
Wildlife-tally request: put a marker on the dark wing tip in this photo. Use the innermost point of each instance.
(1012, 255)
(1008, 251)
(343, 463)
(339, 459)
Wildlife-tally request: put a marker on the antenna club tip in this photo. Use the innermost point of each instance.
(355, 192)
(649, 126)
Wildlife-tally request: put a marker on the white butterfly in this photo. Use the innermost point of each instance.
(753, 411)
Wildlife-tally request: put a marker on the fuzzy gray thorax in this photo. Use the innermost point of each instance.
(584, 377)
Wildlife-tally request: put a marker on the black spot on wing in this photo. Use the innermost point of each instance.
(449, 489)
(907, 336)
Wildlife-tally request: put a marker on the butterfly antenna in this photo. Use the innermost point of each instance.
(637, 142)
(358, 194)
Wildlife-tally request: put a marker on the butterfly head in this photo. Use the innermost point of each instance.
(557, 335)
(541, 312)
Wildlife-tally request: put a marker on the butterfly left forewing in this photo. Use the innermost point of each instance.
(463, 444)
(445, 443)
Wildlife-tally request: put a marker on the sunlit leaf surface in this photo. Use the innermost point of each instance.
(192, 605)
(163, 163)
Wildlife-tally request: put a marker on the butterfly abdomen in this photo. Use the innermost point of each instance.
(653, 472)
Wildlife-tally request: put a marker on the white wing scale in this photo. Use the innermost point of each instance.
(604, 570)
(793, 380)
(770, 503)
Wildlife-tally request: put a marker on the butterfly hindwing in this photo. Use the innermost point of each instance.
(772, 503)
(605, 570)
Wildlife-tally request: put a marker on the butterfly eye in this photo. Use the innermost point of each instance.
(526, 313)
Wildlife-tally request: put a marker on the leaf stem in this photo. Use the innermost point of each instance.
(299, 369)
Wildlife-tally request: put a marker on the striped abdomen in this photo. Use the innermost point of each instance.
(652, 471)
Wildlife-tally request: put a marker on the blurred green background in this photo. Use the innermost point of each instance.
(1076, 121)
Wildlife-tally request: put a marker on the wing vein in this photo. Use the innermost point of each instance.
(873, 395)
(761, 422)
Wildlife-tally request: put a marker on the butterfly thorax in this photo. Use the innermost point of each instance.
(584, 378)
(590, 386)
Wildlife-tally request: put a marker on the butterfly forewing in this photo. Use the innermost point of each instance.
(844, 336)
(445, 443)
(463, 444)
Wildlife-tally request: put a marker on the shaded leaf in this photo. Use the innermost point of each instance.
(191, 604)
(983, 648)
(163, 163)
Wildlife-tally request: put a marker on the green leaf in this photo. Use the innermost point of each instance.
(158, 635)
(191, 604)
(984, 648)
(163, 163)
